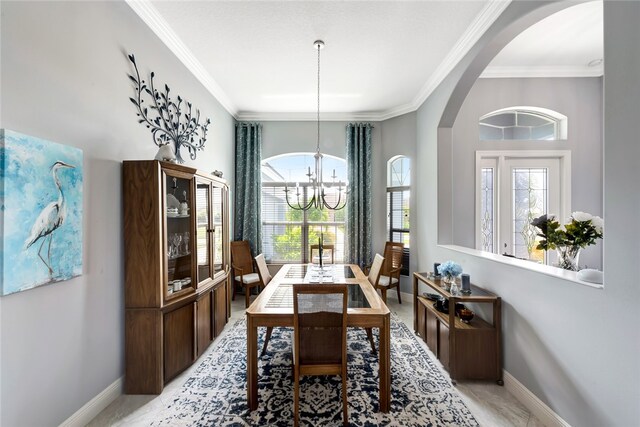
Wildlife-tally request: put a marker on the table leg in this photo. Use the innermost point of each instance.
(252, 364)
(385, 365)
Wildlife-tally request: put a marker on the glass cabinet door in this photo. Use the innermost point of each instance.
(203, 230)
(218, 231)
(177, 240)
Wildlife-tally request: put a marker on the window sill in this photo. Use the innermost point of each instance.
(547, 270)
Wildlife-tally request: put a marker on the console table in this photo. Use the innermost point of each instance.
(467, 350)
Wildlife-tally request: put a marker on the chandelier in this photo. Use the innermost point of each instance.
(319, 196)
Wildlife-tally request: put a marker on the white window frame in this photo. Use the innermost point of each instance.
(560, 120)
(498, 160)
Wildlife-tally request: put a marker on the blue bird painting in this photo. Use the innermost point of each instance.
(41, 211)
(49, 219)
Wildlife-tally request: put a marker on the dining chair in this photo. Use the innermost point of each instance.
(265, 278)
(319, 337)
(374, 278)
(243, 271)
(325, 258)
(390, 272)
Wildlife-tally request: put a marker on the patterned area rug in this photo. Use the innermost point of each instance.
(216, 393)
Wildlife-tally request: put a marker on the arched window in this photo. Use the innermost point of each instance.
(523, 123)
(288, 233)
(398, 204)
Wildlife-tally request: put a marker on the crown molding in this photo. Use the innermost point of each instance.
(150, 15)
(487, 16)
(542, 71)
(250, 116)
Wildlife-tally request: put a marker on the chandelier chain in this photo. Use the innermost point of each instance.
(316, 184)
(318, 111)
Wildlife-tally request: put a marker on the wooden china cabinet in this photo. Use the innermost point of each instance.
(176, 236)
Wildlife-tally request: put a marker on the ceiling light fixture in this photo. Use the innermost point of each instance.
(319, 197)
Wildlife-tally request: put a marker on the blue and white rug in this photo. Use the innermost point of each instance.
(216, 395)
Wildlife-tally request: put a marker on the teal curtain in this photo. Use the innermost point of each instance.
(248, 194)
(359, 196)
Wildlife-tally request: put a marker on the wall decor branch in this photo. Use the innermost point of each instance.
(170, 121)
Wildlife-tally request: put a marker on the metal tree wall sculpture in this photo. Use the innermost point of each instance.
(169, 122)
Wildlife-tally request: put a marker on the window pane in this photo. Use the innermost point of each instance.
(287, 233)
(488, 133)
(546, 132)
(528, 119)
(500, 120)
(398, 208)
(529, 202)
(400, 172)
(518, 125)
(282, 242)
(486, 210)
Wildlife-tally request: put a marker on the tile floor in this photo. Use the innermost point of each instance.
(492, 405)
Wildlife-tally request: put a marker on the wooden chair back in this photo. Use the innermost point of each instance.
(241, 258)
(263, 270)
(393, 253)
(325, 249)
(376, 269)
(320, 336)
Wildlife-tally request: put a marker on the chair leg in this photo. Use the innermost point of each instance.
(233, 295)
(296, 390)
(399, 297)
(345, 413)
(247, 295)
(370, 338)
(384, 295)
(266, 340)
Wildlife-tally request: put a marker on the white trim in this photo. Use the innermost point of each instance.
(492, 10)
(537, 407)
(547, 270)
(495, 72)
(307, 116)
(154, 20)
(93, 407)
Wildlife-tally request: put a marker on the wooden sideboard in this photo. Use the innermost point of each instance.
(466, 350)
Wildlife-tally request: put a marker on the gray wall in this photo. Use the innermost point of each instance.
(580, 99)
(390, 138)
(398, 138)
(63, 78)
(574, 346)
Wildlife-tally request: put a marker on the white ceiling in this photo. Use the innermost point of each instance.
(561, 45)
(382, 58)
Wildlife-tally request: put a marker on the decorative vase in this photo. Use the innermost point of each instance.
(454, 289)
(165, 153)
(448, 282)
(568, 257)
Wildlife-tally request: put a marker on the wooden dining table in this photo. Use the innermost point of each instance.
(274, 307)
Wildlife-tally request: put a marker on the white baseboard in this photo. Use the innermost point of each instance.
(93, 407)
(537, 407)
